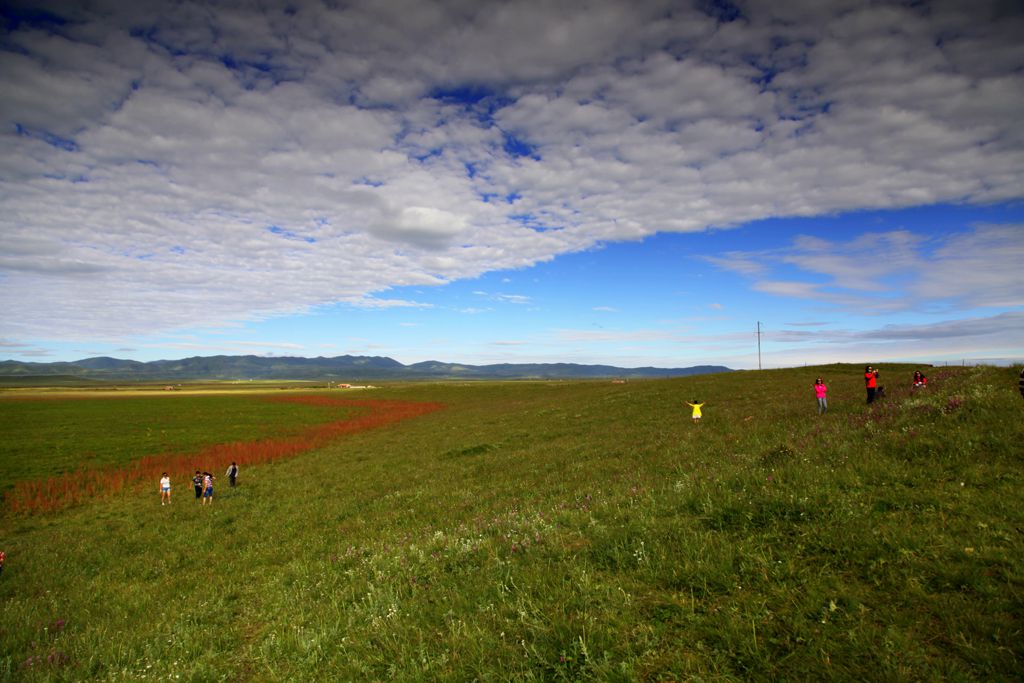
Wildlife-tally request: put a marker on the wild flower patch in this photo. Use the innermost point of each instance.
(46, 652)
(50, 660)
(953, 403)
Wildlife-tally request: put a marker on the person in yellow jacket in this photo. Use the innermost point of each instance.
(696, 410)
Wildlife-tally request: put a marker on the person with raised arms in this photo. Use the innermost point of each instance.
(870, 382)
(208, 488)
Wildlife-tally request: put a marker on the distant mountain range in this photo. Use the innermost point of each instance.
(339, 368)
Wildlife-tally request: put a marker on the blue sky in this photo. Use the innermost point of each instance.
(637, 184)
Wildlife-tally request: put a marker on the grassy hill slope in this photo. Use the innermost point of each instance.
(565, 531)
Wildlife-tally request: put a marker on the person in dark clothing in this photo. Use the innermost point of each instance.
(1021, 385)
(870, 382)
(232, 473)
(197, 483)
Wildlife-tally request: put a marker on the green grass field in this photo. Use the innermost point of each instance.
(49, 435)
(548, 531)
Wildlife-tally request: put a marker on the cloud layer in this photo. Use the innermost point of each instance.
(898, 271)
(172, 166)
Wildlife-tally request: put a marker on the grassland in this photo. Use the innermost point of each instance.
(50, 434)
(554, 531)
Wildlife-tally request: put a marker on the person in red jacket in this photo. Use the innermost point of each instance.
(870, 381)
(920, 381)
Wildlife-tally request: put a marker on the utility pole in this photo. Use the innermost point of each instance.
(758, 344)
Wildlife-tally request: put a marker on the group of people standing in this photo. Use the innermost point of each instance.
(202, 482)
(873, 388)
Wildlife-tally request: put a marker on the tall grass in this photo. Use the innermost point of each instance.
(564, 531)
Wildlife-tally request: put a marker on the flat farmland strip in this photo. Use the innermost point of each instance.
(53, 493)
(47, 436)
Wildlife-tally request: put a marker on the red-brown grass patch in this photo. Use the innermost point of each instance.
(55, 493)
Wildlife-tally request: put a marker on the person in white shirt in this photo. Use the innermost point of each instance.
(208, 488)
(165, 490)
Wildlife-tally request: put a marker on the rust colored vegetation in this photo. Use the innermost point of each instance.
(55, 493)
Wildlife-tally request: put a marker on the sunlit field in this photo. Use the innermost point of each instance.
(524, 531)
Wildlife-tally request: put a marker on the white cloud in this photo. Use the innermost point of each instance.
(737, 262)
(613, 336)
(981, 268)
(182, 166)
(518, 299)
(425, 226)
(894, 271)
(945, 340)
(233, 347)
(267, 345)
(373, 302)
(1008, 326)
(1003, 324)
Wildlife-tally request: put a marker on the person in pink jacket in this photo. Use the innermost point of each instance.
(819, 391)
